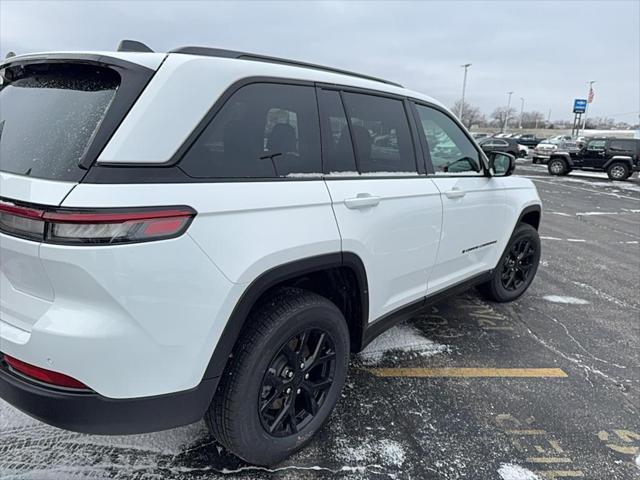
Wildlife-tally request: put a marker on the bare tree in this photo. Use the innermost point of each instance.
(471, 115)
(532, 119)
(499, 114)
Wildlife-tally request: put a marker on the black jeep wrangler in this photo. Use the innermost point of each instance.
(619, 157)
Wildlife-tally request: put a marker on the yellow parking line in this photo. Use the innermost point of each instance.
(469, 372)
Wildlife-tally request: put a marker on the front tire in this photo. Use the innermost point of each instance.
(283, 379)
(618, 171)
(557, 166)
(517, 266)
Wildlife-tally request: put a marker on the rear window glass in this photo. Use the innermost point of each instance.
(381, 132)
(49, 114)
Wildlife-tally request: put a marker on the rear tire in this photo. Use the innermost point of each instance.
(557, 166)
(618, 171)
(283, 379)
(517, 266)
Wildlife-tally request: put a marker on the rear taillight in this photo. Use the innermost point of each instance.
(94, 227)
(43, 375)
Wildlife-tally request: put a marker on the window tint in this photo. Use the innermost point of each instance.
(49, 115)
(596, 145)
(337, 149)
(451, 151)
(624, 145)
(380, 130)
(264, 131)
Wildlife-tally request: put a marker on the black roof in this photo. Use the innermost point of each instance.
(135, 46)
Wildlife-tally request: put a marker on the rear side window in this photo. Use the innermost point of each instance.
(622, 145)
(380, 130)
(49, 114)
(337, 148)
(263, 131)
(450, 149)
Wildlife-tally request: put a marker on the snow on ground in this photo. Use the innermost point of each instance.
(389, 452)
(403, 338)
(638, 461)
(562, 299)
(509, 471)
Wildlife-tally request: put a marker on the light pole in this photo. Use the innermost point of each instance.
(586, 110)
(506, 113)
(464, 88)
(521, 112)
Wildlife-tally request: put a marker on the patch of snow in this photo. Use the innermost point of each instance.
(388, 452)
(304, 175)
(550, 238)
(562, 299)
(373, 174)
(389, 174)
(510, 471)
(403, 337)
(576, 240)
(638, 461)
(558, 213)
(586, 214)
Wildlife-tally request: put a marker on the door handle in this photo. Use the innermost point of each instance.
(455, 192)
(362, 200)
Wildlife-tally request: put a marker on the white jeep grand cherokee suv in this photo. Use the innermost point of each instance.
(210, 233)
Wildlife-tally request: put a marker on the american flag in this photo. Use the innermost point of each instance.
(591, 95)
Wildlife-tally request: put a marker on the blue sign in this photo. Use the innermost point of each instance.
(580, 105)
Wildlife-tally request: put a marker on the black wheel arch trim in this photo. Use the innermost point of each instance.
(268, 280)
(527, 210)
(624, 160)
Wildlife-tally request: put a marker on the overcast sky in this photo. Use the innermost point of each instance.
(545, 51)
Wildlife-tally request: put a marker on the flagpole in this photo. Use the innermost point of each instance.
(586, 110)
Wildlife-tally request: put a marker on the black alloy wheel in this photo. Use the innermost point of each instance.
(295, 385)
(518, 265)
(284, 377)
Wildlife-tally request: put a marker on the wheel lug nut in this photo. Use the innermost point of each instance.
(289, 374)
(302, 365)
(298, 391)
(306, 377)
(288, 391)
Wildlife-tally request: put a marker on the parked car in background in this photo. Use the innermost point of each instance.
(523, 151)
(560, 138)
(479, 135)
(528, 139)
(493, 144)
(545, 149)
(619, 157)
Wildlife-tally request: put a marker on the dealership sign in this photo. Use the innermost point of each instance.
(580, 105)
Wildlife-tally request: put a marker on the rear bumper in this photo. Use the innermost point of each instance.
(92, 413)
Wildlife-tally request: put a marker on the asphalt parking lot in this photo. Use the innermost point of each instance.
(547, 387)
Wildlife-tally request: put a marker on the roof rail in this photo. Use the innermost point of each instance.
(219, 52)
(133, 46)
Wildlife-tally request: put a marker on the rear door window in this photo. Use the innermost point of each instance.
(337, 149)
(263, 131)
(380, 130)
(596, 145)
(49, 115)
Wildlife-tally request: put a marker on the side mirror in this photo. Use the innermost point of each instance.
(501, 164)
